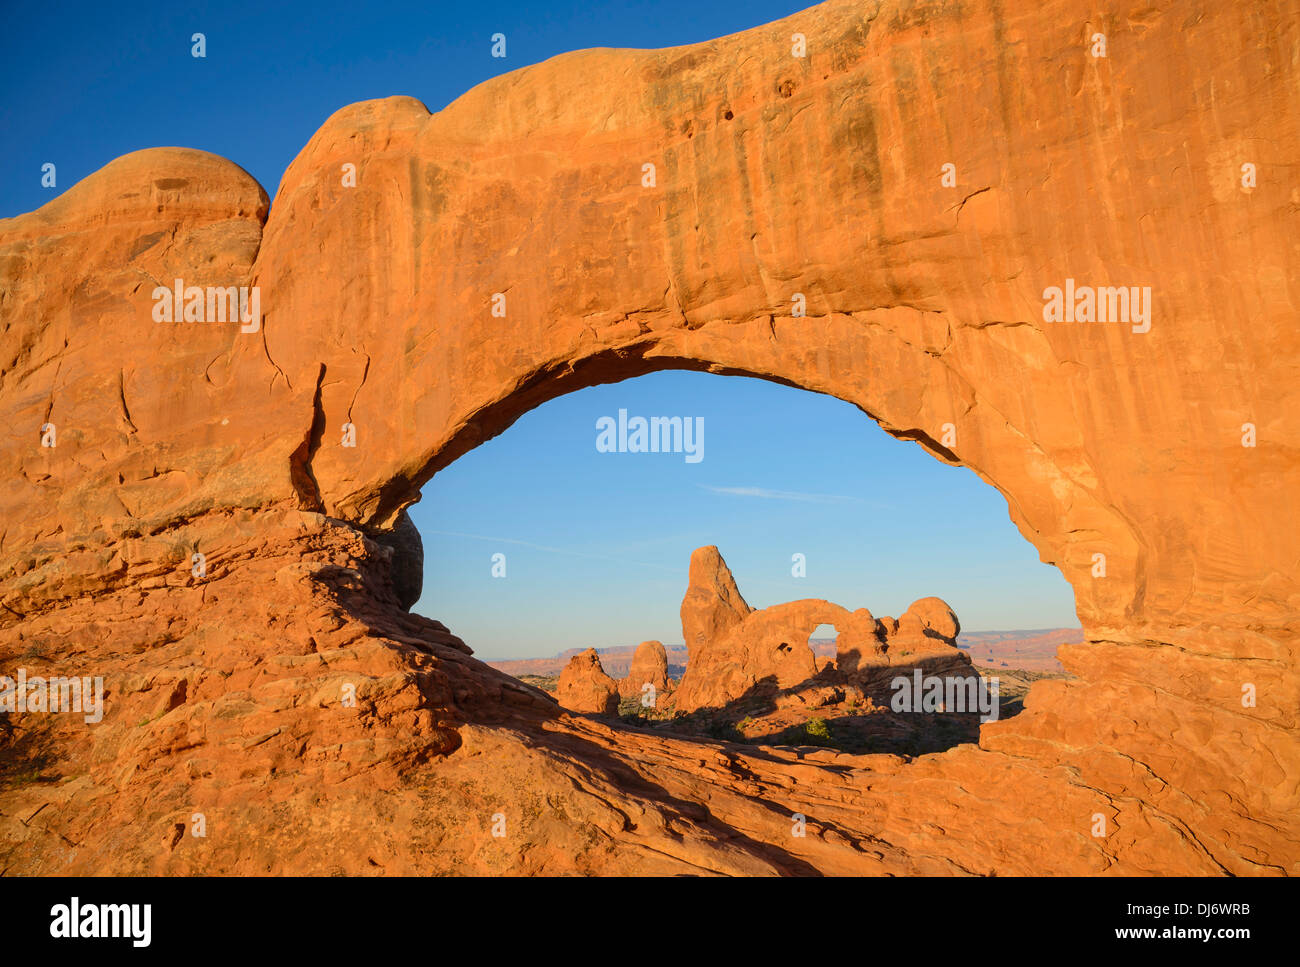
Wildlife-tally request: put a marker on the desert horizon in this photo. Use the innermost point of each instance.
(1021, 644)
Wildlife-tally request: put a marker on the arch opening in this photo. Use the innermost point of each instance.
(569, 534)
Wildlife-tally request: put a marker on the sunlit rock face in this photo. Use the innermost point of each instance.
(649, 666)
(736, 651)
(584, 686)
(800, 227)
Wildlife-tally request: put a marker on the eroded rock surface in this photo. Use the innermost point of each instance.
(737, 653)
(712, 606)
(1120, 454)
(584, 686)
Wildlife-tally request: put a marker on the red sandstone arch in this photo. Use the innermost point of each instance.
(775, 177)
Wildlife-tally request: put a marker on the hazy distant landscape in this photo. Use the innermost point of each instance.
(1029, 650)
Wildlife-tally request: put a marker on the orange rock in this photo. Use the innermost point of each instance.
(713, 605)
(584, 686)
(1148, 467)
(935, 619)
(649, 667)
(768, 650)
(927, 632)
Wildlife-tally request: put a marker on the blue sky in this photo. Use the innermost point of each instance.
(83, 83)
(596, 544)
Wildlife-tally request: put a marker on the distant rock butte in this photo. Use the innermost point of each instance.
(649, 667)
(1120, 455)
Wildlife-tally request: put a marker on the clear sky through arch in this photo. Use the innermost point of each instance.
(596, 544)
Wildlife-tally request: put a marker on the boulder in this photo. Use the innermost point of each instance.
(584, 686)
(649, 665)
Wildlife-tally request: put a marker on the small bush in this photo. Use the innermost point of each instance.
(818, 731)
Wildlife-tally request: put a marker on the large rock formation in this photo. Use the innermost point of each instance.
(584, 686)
(735, 654)
(712, 606)
(1147, 466)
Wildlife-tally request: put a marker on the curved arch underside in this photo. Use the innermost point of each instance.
(774, 176)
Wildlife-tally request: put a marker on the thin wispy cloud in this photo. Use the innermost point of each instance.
(766, 494)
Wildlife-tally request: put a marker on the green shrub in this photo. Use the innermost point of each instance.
(818, 731)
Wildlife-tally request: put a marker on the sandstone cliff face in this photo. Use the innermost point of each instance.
(1120, 453)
